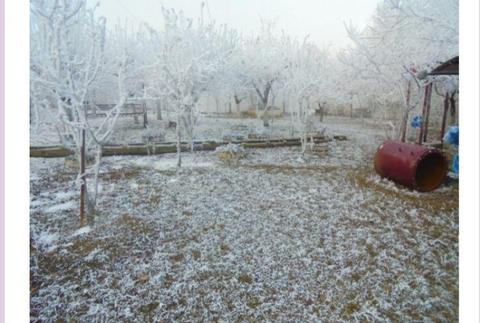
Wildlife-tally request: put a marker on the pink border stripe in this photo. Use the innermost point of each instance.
(2, 161)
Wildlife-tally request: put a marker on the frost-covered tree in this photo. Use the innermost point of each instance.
(308, 80)
(68, 56)
(263, 63)
(189, 56)
(401, 35)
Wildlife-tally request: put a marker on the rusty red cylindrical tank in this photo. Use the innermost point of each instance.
(419, 167)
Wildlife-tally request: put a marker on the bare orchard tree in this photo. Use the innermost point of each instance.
(233, 80)
(401, 34)
(263, 64)
(67, 58)
(189, 56)
(307, 79)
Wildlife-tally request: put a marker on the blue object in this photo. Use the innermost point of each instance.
(451, 137)
(455, 164)
(417, 122)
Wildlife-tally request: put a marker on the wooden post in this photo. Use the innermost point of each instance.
(444, 117)
(405, 118)
(427, 112)
(424, 109)
(83, 179)
(409, 90)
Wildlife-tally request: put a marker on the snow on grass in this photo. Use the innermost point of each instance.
(274, 238)
(169, 162)
(61, 207)
(46, 198)
(82, 231)
(61, 196)
(46, 240)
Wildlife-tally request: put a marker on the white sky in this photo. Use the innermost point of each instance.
(322, 19)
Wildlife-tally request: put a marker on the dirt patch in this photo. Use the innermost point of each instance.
(123, 174)
(134, 224)
(245, 279)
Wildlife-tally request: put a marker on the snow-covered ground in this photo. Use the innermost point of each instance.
(207, 128)
(274, 238)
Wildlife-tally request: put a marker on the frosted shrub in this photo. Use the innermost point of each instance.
(230, 154)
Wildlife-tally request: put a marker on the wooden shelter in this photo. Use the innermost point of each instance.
(447, 68)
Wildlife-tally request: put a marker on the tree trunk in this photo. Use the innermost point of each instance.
(31, 113)
(321, 108)
(92, 202)
(264, 100)
(188, 126)
(237, 101)
(262, 111)
(237, 106)
(145, 115)
(159, 109)
(217, 105)
(179, 138)
(135, 117)
(253, 99)
(453, 114)
(83, 180)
